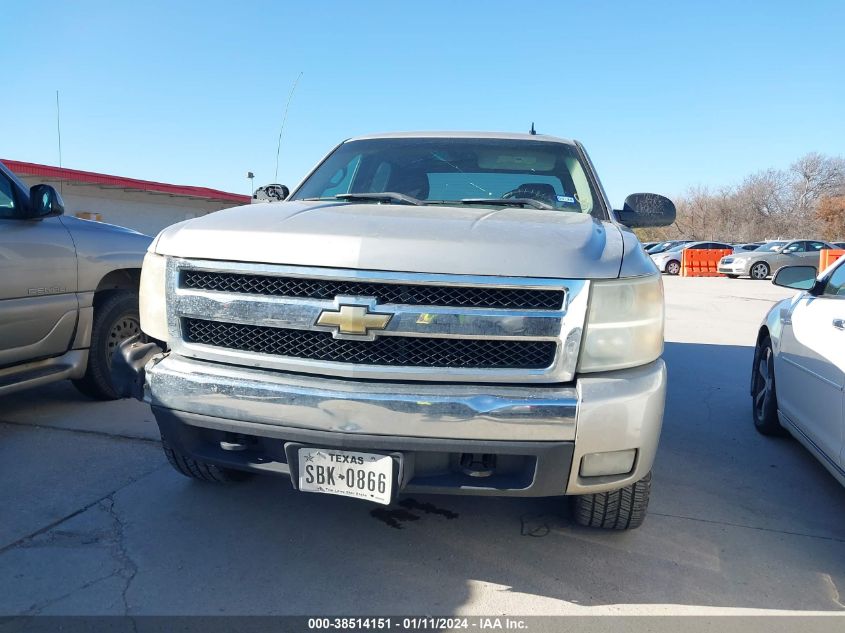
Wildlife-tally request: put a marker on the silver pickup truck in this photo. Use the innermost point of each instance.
(68, 291)
(454, 313)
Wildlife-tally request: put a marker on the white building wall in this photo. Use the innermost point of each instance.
(139, 210)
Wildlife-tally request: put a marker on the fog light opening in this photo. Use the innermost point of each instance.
(478, 464)
(610, 463)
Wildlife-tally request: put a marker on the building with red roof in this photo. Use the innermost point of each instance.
(142, 205)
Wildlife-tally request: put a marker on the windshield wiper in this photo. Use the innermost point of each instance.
(382, 196)
(509, 202)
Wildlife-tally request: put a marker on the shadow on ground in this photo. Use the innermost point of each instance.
(737, 520)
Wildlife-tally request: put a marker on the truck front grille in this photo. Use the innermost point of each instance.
(395, 351)
(395, 293)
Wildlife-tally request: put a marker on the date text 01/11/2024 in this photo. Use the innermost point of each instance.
(427, 623)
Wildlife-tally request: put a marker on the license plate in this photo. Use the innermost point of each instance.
(350, 474)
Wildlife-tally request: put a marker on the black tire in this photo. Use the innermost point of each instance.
(673, 267)
(115, 319)
(623, 509)
(196, 469)
(764, 399)
(759, 271)
(732, 276)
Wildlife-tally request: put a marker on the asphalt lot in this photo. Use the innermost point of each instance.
(95, 522)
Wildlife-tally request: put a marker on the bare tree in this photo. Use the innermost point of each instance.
(766, 205)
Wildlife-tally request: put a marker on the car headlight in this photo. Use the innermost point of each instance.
(727, 260)
(151, 298)
(624, 324)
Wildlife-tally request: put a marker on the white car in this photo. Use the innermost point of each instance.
(798, 373)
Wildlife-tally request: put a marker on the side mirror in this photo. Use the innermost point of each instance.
(271, 193)
(45, 202)
(646, 209)
(796, 277)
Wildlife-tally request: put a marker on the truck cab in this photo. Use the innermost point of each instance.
(68, 291)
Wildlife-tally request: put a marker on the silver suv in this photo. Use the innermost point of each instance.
(425, 313)
(68, 291)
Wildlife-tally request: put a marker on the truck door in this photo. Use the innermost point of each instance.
(38, 277)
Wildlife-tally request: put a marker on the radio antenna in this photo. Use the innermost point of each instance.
(59, 134)
(282, 129)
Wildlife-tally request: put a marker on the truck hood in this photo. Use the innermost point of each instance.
(434, 239)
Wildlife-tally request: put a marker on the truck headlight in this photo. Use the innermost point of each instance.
(624, 324)
(151, 298)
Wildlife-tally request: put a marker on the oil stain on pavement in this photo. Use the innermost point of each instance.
(395, 517)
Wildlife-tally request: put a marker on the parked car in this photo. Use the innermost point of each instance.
(669, 261)
(648, 245)
(538, 373)
(665, 246)
(68, 291)
(839, 245)
(772, 256)
(798, 373)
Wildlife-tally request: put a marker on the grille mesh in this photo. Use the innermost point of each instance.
(387, 350)
(408, 294)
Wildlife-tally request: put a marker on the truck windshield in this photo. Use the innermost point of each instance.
(465, 171)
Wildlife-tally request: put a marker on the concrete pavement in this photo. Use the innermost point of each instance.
(95, 522)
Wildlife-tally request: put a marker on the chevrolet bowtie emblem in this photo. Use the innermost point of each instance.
(353, 320)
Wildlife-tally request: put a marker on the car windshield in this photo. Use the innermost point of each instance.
(678, 247)
(770, 247)
(469, 171)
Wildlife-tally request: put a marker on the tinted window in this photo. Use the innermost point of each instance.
(816, 246)
(836, 284)
(795, 247)
(448, 170)
(342, 177)
(7, 198)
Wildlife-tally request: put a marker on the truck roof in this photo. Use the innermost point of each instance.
(510, 136)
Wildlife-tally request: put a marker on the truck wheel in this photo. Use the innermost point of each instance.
(115, 319)
(673, 267)
(763, 392)
(623, 509)
(196, 469)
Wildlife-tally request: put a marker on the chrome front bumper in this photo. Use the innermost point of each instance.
(602, 412)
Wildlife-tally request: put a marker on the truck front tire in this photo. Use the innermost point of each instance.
(115, 319)
(623, 509)
(196, 469)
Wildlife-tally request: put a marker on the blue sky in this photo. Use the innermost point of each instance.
(665, 95)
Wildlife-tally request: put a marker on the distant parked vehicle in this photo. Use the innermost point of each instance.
(665, 246)
(839, 245)
(771, 257)
(648, 245)
(798, 372)
(669, 262)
